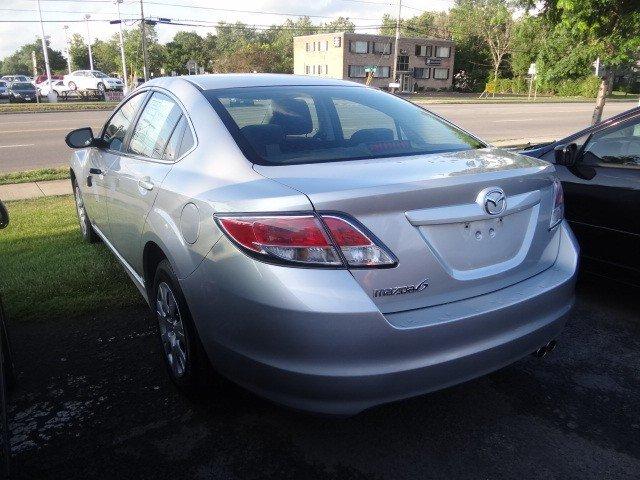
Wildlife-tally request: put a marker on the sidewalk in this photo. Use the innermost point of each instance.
(20, 191)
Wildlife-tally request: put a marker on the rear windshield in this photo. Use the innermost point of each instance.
(306, 124)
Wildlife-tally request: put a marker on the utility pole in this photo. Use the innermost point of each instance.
(144, 42)
(395, 46)
(124, 62)
(66, 47)
(86, 20)
(51, 95)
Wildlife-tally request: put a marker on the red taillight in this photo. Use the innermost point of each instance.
(303, 239)
(357, 248)
(298, 239)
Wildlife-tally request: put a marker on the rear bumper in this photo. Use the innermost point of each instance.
(313, 340)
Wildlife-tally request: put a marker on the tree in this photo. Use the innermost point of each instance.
(249, 58)
(340, 24)
(20, 61)
(133, 51)
(423, 25)
(183, 47)
(492, 22)
(106, 55)
(79, 52)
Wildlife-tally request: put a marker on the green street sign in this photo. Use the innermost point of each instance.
(370, 69)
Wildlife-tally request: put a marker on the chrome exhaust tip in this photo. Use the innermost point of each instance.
(545, 349)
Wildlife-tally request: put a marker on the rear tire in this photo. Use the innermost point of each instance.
(88, 233)
(184, 356)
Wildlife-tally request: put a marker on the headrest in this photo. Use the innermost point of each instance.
(372, 135)
(259, 136)
(292, 115)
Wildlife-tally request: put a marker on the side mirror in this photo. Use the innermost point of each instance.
(80, 138)
(4, 216)
(566, 154)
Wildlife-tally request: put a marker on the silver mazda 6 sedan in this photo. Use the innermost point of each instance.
(326, 245)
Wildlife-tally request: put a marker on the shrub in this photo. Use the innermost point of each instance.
(589, 86)
(569, 88)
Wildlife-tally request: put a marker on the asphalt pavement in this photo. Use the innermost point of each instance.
(36, 140)
(93, 401)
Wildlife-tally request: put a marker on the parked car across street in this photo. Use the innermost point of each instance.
(325, 245)
(22, 92)
(92, 80)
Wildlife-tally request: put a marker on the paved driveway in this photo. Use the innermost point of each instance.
(94, 402)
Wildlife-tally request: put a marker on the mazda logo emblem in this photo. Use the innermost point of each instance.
(493, 200)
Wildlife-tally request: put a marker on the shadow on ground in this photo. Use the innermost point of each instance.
(93, 401)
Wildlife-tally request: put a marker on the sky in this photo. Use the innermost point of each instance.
(14, 32)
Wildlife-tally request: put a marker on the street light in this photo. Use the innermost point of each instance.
(86, 20)
(66, 44)
(51, 96)
(124, 62)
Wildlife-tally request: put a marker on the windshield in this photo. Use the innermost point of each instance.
(22, 86)
(306, 124)
(99, 74)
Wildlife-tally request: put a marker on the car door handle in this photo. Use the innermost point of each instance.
(146, 184)
(95, 171)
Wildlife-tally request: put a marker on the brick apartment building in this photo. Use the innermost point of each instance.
(423, 63)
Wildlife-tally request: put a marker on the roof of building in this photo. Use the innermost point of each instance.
(375, 35)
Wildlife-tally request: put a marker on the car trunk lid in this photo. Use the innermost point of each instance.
(429, 211)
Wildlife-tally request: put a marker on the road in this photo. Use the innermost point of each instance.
(36, 140)
(93, 401)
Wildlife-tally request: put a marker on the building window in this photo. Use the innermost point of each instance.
(307, 47)
(441, 73)
(443, 52)
(424, 50)
(382, 48)
(403, 63)
(357, 71)
(307, 69)
(422, 72)
(323, 46)
(319, 69)
(382, 72)
(337, 41)
(314, 69)
(359, 47)
(326, 69)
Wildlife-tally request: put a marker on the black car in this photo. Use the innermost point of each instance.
(600, 171)
(22, 92)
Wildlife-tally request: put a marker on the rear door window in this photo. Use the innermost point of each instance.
(155, 126)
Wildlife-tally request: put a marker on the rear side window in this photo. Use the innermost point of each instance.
(116, 129)
(181, 141)
(306, 124)
(155, 126)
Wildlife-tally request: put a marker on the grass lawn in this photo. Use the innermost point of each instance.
(46, 270)
(34, 175)
(55, 107)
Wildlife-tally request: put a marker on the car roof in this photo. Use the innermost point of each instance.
(239, 80)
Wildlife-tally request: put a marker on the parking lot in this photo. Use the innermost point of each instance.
(93, 401)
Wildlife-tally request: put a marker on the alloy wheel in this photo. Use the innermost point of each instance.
(172, 333)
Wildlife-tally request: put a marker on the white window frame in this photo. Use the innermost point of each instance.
(436, 69)
(351, 73)
(353, 46)
(438, 55)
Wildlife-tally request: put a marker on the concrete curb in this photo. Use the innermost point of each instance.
(23, 191)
